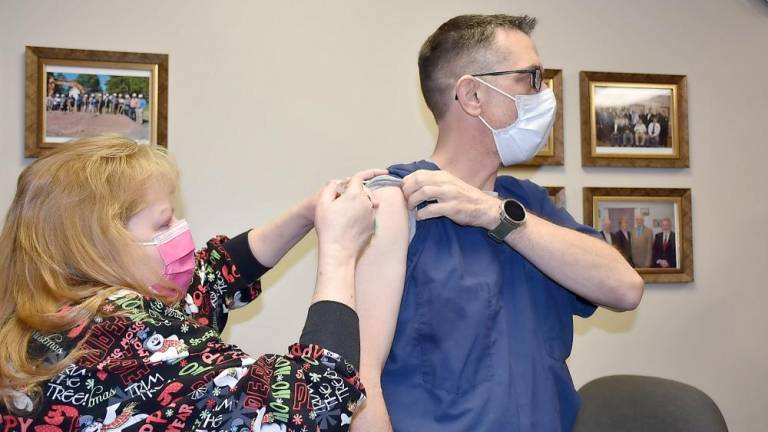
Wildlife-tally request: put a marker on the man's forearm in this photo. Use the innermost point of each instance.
(582, 264)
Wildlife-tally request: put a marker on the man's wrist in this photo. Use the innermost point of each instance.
(491, 213)
(511, 217)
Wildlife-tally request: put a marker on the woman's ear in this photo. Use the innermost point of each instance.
(467, 96)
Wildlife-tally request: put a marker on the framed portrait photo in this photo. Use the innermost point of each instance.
(552, 152)
(77, 93)
(634, 120)
(557, 195)
(651, 228)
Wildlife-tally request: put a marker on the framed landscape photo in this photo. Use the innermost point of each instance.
(651, 228)
(552, 152)
(634, 120)
(557, 195)
(76, 93)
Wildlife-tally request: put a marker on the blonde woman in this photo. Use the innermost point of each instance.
(109, 319)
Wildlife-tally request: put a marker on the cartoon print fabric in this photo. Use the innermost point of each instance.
(150, 367)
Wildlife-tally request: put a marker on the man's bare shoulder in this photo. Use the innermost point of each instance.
(393, 219)
(386, 191)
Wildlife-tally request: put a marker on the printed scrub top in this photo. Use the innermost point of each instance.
(151, 367)
(482, 335)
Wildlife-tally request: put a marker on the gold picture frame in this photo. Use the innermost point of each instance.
(634, 120)
(71, 93)
(552, 153)
(664, 257)
(557, 195)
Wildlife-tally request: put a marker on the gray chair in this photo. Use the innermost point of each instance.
(629, 403)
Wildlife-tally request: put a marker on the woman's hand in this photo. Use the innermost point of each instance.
(344, 223)
(344, 216)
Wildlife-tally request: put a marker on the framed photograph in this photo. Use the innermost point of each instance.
(75, 93)
(557, 195)
(634, 120)
(650, 227)
(552, 153)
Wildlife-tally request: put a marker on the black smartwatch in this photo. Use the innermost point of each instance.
(511, 216)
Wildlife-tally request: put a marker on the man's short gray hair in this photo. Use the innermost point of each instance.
(458, 44)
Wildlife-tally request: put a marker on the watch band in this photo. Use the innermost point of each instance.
(508, 220)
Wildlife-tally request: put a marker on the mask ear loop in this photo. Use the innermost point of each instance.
(177, 228)
(497, 89)
(486, 123)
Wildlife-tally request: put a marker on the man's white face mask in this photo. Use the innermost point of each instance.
(520, 141)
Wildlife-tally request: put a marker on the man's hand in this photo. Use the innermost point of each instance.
(456, 200)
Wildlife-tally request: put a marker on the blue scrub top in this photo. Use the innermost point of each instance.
(483, 335)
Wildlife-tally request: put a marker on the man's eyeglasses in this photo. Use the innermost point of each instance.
(536, 75)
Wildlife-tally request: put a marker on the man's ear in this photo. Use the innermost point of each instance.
(466, 94)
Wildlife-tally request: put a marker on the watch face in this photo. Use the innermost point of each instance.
(514, 210)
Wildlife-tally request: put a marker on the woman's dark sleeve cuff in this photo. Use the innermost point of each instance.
(335, 327)
(248, 266)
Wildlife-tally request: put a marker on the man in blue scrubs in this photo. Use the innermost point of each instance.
(494, 271)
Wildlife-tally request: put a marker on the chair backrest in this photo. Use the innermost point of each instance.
(630, 403)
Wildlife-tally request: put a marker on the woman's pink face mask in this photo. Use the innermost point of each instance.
(177, 249)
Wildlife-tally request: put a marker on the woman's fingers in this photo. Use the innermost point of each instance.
(370, 173)
(330, 192)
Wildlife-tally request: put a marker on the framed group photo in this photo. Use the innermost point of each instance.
(77, 93)
(650, 227)
(634, 120)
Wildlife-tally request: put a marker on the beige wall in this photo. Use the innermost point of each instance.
(269, 99)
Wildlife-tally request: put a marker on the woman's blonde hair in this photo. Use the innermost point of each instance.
(65, 247)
